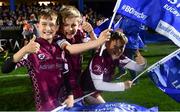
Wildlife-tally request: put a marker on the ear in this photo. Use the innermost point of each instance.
(107, 44)
(37, 25)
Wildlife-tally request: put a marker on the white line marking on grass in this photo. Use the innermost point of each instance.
(18, 75)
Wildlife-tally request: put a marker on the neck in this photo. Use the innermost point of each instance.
(50, 41)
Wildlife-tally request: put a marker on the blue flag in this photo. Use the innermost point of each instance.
(166, 75)
(161, 15)
(110, 107)
(103, 26)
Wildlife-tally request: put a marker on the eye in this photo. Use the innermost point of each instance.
(73, 25)
(118, 47)
(43, 24)
(51, 25)
(65, 25)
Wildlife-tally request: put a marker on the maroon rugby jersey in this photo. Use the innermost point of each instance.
(45, 69)
(74, 63)
(101, 65)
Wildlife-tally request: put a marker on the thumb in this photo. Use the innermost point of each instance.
(64, 103)
(84, 18)
(138, 53)
(33, 39)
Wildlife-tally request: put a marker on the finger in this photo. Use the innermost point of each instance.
(37, 49)
(108, 35)
(64, 103)
(33, 39)
(82, 21)
(108, 30)
(70, 105)
(37, 45)
(84, 18)
(138, 54)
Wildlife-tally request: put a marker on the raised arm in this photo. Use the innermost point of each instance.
(31, 47)
(10, 63)
(78, 48)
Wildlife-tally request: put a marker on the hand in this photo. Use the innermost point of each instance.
(140, 59)
(32, 46)
(127, 84)
(105, 35)
(69, 101)
(87, 27)
(120, 30)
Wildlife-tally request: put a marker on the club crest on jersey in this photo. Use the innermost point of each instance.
(98, 69)
(41, 56)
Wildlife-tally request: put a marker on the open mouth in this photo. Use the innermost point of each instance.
(48, 33)
(71, 33)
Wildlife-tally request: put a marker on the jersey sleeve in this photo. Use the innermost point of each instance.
(97, 72)
(130, 64)
(62, 42)
(9, 65)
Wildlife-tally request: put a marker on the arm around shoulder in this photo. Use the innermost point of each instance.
(78, 48)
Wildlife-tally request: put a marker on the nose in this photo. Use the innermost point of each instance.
(70, 28)
(48, 27)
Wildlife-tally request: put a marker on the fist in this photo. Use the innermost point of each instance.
(87, 27)
(127, 84)
(32, 46)
(140, 60)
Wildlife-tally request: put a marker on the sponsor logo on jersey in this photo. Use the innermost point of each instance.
(41, 56)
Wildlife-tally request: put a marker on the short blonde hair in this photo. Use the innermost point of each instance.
(69, 12)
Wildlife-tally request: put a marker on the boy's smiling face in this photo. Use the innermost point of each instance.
(70, 27)
(48, 28)
(115, 48)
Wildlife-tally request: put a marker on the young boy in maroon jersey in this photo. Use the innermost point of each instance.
(99, 73)
(70, 23)
(46, 64)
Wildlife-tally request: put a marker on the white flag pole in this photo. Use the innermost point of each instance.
(76, 100)
(158, 63)
(112, 19)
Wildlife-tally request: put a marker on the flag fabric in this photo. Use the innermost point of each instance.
(110, 107)
(161, 15)
(166, 75)
(103, 26)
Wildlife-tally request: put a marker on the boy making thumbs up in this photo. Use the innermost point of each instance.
(46, 64)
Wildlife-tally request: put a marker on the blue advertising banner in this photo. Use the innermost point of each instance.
(109, 107)
(161, 15)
